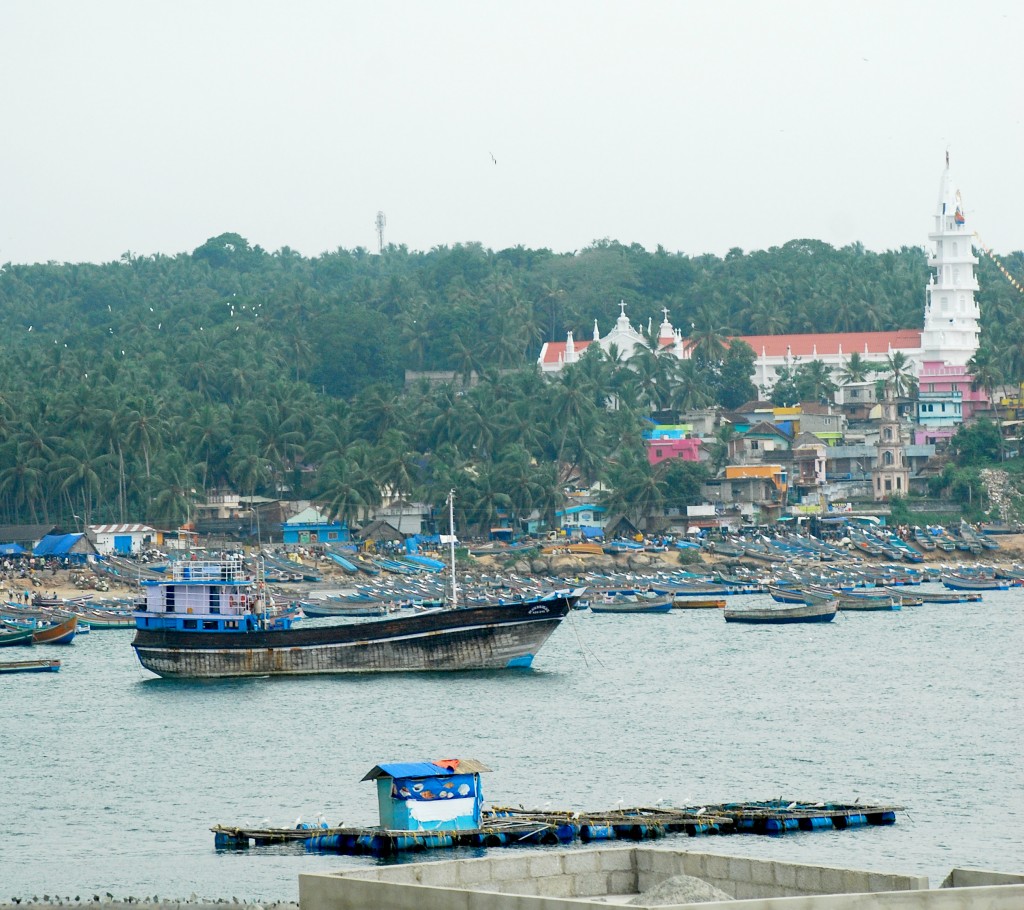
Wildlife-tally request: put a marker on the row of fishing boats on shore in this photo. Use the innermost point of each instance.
(227, 617)
(877, 545)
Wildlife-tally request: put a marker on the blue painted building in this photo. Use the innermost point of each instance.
(314, 533)
(576, 518)
(442, 795)
(310, 527)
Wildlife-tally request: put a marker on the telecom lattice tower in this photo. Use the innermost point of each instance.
(380, 222)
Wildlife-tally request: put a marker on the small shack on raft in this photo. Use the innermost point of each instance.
(442, 795)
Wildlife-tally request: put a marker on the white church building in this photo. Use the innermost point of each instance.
(938, 353)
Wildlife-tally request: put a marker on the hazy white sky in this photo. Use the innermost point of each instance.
(700, 126)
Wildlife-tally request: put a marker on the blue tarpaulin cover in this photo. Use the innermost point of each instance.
(426, 768)
(12, 549)
(56, 544)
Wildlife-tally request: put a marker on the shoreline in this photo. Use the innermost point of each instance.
(556, 564)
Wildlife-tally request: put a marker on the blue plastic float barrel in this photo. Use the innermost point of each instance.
(566, 833)
(812, 824)
(597, 832)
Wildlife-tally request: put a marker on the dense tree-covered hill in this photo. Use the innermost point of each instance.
(132, 386)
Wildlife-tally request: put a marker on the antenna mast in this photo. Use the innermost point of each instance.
(380, 223)
(450, 539)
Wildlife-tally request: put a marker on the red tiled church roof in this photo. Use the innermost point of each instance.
(810, 346)
(554, 351)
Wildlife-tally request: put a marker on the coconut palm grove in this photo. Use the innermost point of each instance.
(135, 388)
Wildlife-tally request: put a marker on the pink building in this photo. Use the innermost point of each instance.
(659, 450)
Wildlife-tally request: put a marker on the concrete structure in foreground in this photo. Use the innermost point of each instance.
(575, 879)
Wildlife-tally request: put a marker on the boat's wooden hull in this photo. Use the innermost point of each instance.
(974, 584)
(641, 605)
(29, 666)
(59, 634)
(478, 638)
(11, 636)
(810, 612)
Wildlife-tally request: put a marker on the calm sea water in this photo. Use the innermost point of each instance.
(112, 778)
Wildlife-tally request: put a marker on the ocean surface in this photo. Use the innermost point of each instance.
(111, 778)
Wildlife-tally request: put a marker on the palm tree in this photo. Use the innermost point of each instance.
(816, 378)
(692, 389)
(709, 336)
(346, 489)
(635, 490)
(21, 481)
(856, 369)
(901, 374)
(986, 374)
(574, 401)
(143, 426)
(486, 497)
(81, 472)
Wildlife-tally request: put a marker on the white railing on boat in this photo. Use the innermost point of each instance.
(229, 569)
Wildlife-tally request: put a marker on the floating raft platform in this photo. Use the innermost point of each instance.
(507, 827)
(779, 816)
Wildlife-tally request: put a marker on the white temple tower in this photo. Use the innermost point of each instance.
(951, 314)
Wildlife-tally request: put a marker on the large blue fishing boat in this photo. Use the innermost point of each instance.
(212, 619)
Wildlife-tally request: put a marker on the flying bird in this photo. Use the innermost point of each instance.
(495, 160)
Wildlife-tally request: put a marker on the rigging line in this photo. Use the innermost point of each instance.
(583, 647)
(999, 265)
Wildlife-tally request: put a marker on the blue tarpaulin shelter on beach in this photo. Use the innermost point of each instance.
(76, 547)
(12, 549)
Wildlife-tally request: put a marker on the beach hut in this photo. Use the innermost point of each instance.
(76, 548)
(442, 795)
(122, 539)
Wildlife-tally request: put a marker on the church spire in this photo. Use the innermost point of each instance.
(951, 313)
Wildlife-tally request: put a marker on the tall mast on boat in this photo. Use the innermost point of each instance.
(451, 546)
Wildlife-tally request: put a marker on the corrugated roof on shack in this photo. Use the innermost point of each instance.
(443, 795)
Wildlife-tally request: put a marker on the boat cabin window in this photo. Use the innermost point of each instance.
(215, 609)
(188, 624)
(215, 600)
(169, 599)
(231, 624)
(210, 624)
